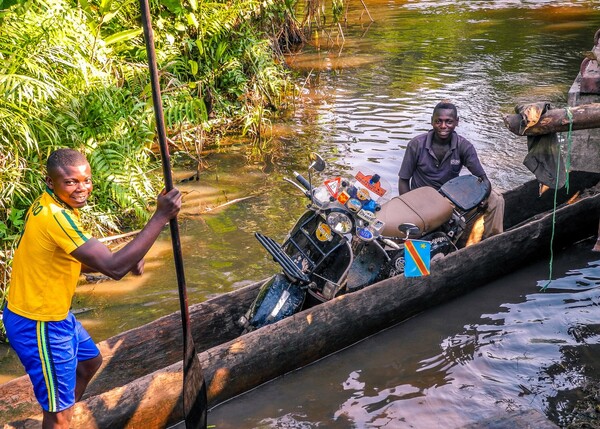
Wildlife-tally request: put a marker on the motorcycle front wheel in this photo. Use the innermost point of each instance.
(394, 267)
(277, 299)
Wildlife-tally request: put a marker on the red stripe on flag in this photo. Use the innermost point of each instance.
(416, 257)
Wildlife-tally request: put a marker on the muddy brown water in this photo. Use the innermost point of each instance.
(359, 104)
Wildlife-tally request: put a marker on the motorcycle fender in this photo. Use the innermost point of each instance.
(277, 299)
(366, 267)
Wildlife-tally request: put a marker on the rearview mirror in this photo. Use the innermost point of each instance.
(316, 162)
(409, 230)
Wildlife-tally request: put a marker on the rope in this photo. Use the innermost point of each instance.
(569, 146)
(567, 168)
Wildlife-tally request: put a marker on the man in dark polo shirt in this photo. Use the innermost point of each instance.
(433, 158)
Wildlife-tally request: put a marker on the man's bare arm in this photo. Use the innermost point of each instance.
(96, 256)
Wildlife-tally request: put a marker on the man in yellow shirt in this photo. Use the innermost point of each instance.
(58, 354)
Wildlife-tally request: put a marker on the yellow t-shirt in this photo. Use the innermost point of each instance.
(44, 274)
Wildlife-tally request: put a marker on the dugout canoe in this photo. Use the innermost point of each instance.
(139, 384)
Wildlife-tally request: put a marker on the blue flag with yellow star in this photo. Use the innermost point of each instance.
(417, 256)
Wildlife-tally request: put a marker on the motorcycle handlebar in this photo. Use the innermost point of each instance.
(302, 180)
(305, 192)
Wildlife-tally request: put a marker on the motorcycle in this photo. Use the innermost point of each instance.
(352, 235)
(334, 247)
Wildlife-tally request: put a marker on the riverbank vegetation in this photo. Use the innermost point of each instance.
(73, 73)
(76, 75)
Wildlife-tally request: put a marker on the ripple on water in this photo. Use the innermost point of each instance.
(506, 347)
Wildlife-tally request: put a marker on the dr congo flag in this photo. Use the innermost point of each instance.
(417, 258)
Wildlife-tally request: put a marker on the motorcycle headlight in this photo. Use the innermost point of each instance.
(339, 222)
(321, 197)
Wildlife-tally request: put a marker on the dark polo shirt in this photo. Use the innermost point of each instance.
(423, 169)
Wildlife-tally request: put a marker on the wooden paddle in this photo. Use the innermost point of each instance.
(194, 386)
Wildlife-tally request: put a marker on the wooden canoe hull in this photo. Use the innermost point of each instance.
(140, 382)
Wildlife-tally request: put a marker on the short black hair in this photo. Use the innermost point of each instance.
(446, 105)
(63, 157)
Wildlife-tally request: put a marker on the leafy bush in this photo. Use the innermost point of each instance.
(74, 74)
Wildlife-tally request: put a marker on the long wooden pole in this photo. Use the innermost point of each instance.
(194, 386)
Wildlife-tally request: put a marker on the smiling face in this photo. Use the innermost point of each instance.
(444, 121)
(72, 184)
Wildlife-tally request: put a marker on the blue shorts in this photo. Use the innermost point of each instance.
(50, 351)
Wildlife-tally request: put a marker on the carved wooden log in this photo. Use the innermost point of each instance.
(596, 247)
(140, 351)
(524, 202)
(157, 344)
(557, 120)
(241, 364)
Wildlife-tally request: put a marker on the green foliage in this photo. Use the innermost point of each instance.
(73, 73)
(225, 61)
(70, 76)
(56, 93)
(337, 10)
(5, 270)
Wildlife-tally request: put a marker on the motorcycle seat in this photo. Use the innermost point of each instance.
(424, 207)
(466, 192)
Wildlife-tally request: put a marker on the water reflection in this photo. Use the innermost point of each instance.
(485, 56)
(506, 347)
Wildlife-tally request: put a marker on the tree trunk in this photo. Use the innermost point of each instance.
(557, 120)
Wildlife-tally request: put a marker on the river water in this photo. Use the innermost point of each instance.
(507, 347)
(503, 348)
(359, 103)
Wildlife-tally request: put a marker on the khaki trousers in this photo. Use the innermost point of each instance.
(493, 217)
(492, 221)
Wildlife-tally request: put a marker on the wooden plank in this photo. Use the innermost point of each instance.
(253, 359)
